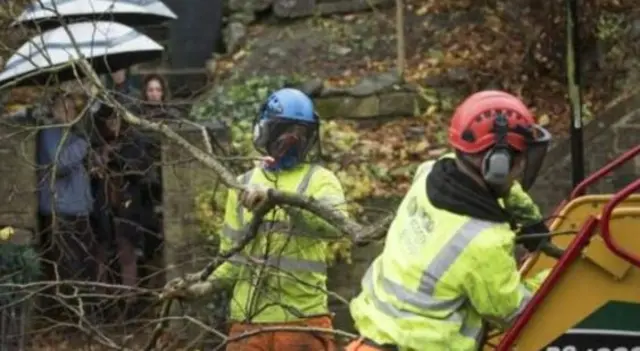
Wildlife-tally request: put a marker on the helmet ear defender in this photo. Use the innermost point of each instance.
(498, 162)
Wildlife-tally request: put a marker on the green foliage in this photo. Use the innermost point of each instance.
(610, 26)
(210, 204)
(237, 104)
(18, 265)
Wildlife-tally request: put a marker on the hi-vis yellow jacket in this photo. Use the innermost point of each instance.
(281, 275)
(439, 276)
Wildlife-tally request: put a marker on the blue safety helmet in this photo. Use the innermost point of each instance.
(286, 128)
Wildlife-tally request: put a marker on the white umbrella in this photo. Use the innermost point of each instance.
(109, 46)
(46, 14)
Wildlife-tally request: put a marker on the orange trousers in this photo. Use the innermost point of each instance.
(254, 340)
(362, 345)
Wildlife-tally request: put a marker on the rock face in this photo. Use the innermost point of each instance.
(303, 8)
(240, 13)
(19, 200)
(389, 104)
(614, 132)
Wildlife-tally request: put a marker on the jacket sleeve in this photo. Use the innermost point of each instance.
(325, 188)
(521, 206)
(227, 273)
(71, 154)
(492, 281)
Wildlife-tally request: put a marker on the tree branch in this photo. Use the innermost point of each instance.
(356, 232)
(347, 226)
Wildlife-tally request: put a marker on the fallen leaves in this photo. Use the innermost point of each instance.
(380, 160)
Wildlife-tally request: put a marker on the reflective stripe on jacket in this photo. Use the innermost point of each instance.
(281, 275)
(440, 274)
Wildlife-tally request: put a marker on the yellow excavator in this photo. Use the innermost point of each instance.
(591, 299)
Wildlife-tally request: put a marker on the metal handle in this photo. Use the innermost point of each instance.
(606, 218)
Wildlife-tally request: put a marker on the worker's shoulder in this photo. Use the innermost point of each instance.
(487, 235)
(321, 173)
(425, 167)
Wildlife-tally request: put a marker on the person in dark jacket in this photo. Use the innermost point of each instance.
(122, 87)
(127, 170)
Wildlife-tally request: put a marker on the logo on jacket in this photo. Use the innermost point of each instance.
(417, 226)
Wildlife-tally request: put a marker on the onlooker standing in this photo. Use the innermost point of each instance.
(155, 89)
(122, 87)
(65, 199)
(155, 96)
(155, 99)
(124, 171)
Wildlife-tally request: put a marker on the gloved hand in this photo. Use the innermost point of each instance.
(533, 243)
(255, 196)
(188, 288)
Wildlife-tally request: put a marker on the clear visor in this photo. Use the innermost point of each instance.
(535, 154)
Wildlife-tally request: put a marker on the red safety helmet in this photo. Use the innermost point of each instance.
(472, 126)
(492, 120)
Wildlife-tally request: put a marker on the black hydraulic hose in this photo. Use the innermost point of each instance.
(552, 250)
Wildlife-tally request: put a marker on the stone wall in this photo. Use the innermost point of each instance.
(240, 13)
(378, 95)
(183, 178)
(303, 8)
(616, 130)
(19, 204)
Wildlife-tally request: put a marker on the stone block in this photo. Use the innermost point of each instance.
(294, 8)
(625, 137)
(345, 281)
(633, 119)
(398, 104)
(248, 5)
(348, 107)
(327, 7)
(19, 199)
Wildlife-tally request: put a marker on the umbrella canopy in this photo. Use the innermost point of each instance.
(47, 14)
(109, 46)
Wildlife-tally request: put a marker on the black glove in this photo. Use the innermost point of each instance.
(534, 236)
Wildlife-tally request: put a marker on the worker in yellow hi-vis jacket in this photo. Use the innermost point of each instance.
(280, 277)
(447, 268)
(517, 202)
